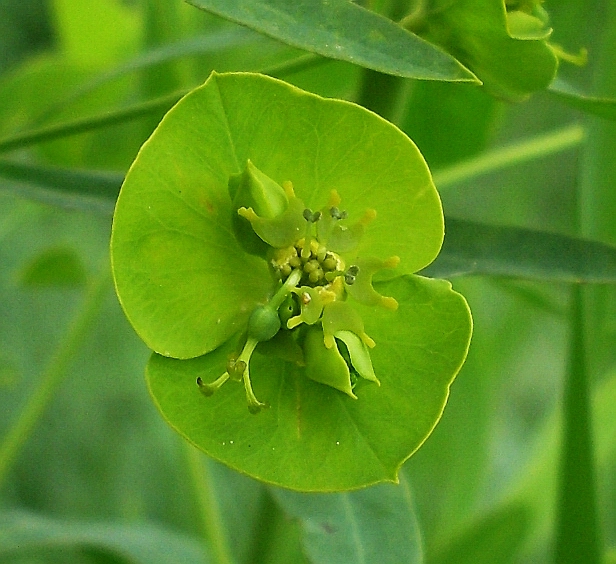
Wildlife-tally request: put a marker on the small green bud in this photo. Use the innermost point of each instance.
(273, 212)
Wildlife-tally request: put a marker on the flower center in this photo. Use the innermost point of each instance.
(318, 265)
(309, 310)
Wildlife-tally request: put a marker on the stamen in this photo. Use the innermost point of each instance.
(209, 389)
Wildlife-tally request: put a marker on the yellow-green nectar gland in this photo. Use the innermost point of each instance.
(310, 270)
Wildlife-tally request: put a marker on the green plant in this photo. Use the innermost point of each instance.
(238, 176)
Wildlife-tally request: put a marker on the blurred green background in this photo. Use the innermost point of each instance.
(89, 472)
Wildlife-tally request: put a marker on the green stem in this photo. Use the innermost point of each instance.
(577, 528)
(83, 125)
(514, 154)
(53, 374)
(211, 520)
(291, 282)
(384, 94)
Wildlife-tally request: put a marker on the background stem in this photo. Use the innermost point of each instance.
(54, 374)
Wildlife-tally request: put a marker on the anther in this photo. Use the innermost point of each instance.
(336, 213)
(351, 274)
(310, 216)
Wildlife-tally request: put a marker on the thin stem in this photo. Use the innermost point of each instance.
(514, 154)
(82, 125)
(291, 282)
(53, 374)
(577, 528)
(209, 510)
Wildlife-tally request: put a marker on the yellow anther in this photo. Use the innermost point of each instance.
(287, 186)
(334, 198)
(368, 216)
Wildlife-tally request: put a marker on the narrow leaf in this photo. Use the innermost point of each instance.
(28, 533)
(495, 536)
(342, 30)
(56, 266)
(81, 189)
(472, 248)
(377, 524)
(597, 105)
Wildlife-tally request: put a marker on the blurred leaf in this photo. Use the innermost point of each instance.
(29, 534)
(87, 190)
(342, 30)
(449, 122)
(472, 248)
(89, 123)
(495, 536)
(56, 266)
(376, 524)
(24, 28)
(207, 44)
(510, 155)
(106, 31)
(27, 116)
(604, 107)
(10, 373)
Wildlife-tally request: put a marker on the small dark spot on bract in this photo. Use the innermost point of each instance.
(328, 528)
(209, 206)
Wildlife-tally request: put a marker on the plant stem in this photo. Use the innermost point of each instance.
(211, 520)
(53, 374)
(514, 154)
(577, 529)
(82, 125)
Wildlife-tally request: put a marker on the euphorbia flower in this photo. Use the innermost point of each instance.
(267, 235)
(307, 254)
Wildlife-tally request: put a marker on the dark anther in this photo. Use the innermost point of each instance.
(337, 213)
(351, 274)
(311, 217)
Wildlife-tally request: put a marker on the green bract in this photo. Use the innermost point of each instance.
(268, 236)
(504, 42)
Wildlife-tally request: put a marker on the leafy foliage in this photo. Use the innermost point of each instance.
(89, 470)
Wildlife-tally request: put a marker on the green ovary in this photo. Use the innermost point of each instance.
(312, 282)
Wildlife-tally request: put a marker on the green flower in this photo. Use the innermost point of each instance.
(263, 246)
(504, 42)
(313, 260)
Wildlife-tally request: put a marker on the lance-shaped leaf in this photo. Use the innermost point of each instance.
(343, 30)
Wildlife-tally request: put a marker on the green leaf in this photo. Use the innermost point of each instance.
(87, 190)
(55, 266)
(472, 248)
(30, 534)
(604, 107)
(376, 524)
(183, 279)
(314, 438)
(477, 33)
(495, 536)
(342, 30)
